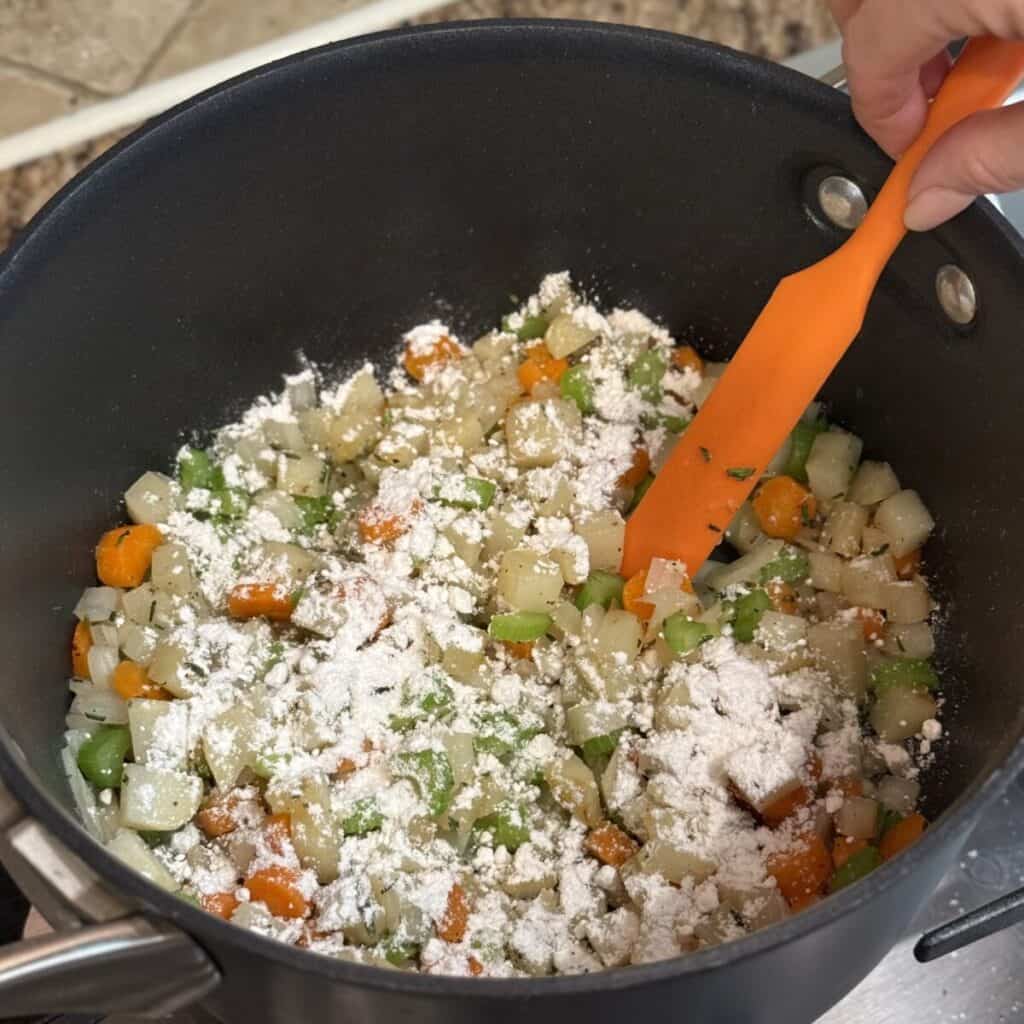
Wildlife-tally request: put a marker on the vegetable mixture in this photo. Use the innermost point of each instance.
(362, 675)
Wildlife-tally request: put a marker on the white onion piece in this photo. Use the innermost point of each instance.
(130, 848)
(97, 604)
(150, 499)
(102, 662)
(844, 527)
(103, 634)
(157, 800)
(905, 521)
(746, 568)
(831, 464)
(98, 703)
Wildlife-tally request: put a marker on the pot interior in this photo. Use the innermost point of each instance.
(327, 204)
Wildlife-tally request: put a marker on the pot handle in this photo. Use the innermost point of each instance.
(978, 924)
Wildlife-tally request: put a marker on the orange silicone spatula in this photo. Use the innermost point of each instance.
(794, 345)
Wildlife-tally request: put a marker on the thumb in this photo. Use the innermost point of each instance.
(983, 153)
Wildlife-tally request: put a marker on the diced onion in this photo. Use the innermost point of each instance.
(745, 569)
(907, 601)
(150, 499)
(564, 336)
(864, 581)
(102, 662)
(844, 527)
(874, 482)
(620, 635)
(153, 799)
(130, 848)
(905, 521)
(831, 464)
(98, 604)
(529, 582)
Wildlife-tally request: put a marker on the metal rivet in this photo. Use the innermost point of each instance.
(956, 294)
(842, 201)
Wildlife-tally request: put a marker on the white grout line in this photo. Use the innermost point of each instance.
(149, 100)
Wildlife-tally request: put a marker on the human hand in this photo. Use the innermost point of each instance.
(896, 61)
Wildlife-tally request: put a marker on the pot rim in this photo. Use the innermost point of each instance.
(951, 827)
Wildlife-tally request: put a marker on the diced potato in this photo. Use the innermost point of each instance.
(352, 435)
(530, 875)
(129, 848)
(137, 642)
(844, 527)
(839, 648)
(619, 636)
(459, 746)
(540, 433)
(529, 582)
(305, 475)
(909, 640)
(254, 451)
(159, 730)
(573, 786)
(462, 433)
(758, 905)
(905, 521)
(831, 464)
(591, 719)
(826, 571)
(314, 831)
(564, 336)
(286, 562)
(98, 604)
(907, 601)
(604, 534)
(158, 800)
(744, 532)
(672, 862)
(463, 665)
(285, 435)
(899, 713)
(167, 667)
(874, 482)
(864, 581)
(745, 569)
(147, 606)
(281, 507)
(857, 818)
(568, 620)
(898, 794)
(464, 542)
(170, 570)
(672, 709)
(150, 498)
(785, 638)
(230, 743)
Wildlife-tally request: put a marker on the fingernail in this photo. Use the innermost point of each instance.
(934, 206)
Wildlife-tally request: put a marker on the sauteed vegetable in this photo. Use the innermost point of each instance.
(362, 674)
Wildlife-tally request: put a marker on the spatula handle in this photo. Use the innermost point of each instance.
(985, 74)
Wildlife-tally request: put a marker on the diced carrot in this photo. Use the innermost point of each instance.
(789, 803)
(783, 506)
(844, 848)
(872, 621)
(222, 904)
(638, 470)
(278, 888)
(123, 556)
(540, 366)
(521, 649)
(686, 358)
(261, 600)
(456, 915)
(419, 359)
(277, 830)
(346, 767)
(130, 681)
(901, 835)
(81, 642)
(377, 526)
(610, 845)
(782, 596)
(802, 870)
(475, 967)
(632, 596)
(908, 565)
(218, 817)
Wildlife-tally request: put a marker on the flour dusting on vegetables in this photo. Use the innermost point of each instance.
(363, 676)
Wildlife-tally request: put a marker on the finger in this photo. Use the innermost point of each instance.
(843, 10)
(983, 153)
(933, 74)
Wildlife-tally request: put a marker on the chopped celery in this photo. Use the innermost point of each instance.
(683, 634)
(602, 587)
(576, 386)
(791, 566)
(519, 627)
(507, 826)
(915, 673)
(801, 441)
(431, 773)
(675, 424)
(857, 867)
(641, 489)
(197, 469)
(364, 817)
(533, 327)
(467, 492)
(266, 765)
(645, 376)
(500, 733)
(600, 746)
(397, 952)
(101, 756)
(886, 819)
(229, 502)
(749, 610)
(316, 512)
(435, 701)
(153, 839)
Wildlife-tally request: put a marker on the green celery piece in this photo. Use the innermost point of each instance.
(641, 489)
(684, 634)
(533, 327)
(519, 627)
(265, 765)
(230, 502)
(791, 566)
(397, 953)
(197, 469)
(645, 376)
(101, 757)
(749, 610)
(602, 587)
(364, 817)
(675, 424)
(857, 867)
(599, 746)
(316, 512)
(915, 673)
(507, 825)
(431, 773)
(576, 386)
(886, 819)
(801, 441)
(469, 492)
(500, 733)
(436, 701)
(153, 839)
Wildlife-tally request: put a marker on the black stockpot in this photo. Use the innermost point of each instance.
(326, 203)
